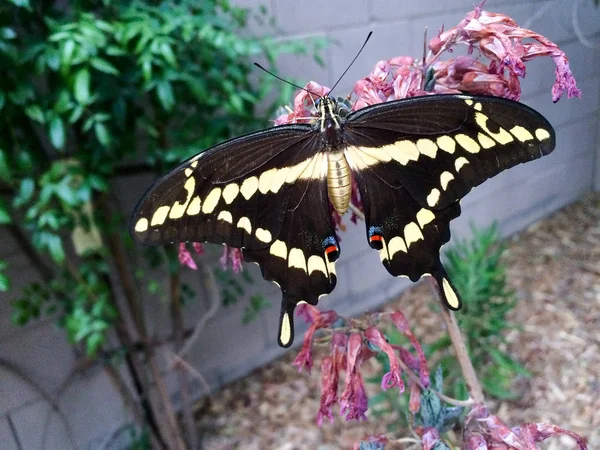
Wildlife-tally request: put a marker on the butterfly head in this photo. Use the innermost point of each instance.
(327, 109)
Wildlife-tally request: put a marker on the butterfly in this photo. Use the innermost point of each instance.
(269, 192)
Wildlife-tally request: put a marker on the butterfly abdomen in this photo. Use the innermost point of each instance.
(339, 181)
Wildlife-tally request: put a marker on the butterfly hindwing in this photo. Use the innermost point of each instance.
(407, 235)
(265, 193)
(302, 259)
(444, 145)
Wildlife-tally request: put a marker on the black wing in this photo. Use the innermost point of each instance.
(265, 192)
(444, 145)
(414, 159)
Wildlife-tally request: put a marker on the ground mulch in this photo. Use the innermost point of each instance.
(555, 271)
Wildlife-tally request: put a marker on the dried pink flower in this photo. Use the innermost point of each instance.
(232, 256)
(402, 324)
(353, 402)
(394, 377)
(318, 320)
(185, 257)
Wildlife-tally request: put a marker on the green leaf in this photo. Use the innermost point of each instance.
(7, 33)
(82, 86)
(4, 214)
(102, 134)
(21, 3)
(5, 174)
(165, 95)
(167, 53)
(34, 112)
(25, 192)
(67, 52)
(104, 66)
(4, 282)
(57, 133)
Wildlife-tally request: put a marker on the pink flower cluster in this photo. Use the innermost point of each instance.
(484, 431)
(347, 352)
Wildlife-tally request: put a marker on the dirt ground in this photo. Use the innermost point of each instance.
(555, 270)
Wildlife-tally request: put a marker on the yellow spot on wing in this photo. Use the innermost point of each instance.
(285, 334)
(188, 172)
(469, 102)
(467, 143)
(141, 225)
(446, 143)
(296, 259)
(194, 164)
(477, 106)
(263, 235)
(230, 192)
(266, 180)
(412, 233)
(294, 172)
(374, 152)
(211, 200)
(225, 216)
(316, 263)
(502, 136)
(279, 249)
(522, 134)
(460, 162)
(194, 207)
(424, 217)
(249, 187)
(485, 141)
(427, 147)
(244, 224)
(433, 197)
(450, 295)
(159, 216)
(445, 178)
(542, 134)
(178, 209)
(403, 151)
(397, 245)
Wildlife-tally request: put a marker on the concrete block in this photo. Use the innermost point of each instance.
(388, 40)
(303, 68)
(386, 10)
(312, 15)
(7, 436)
(43, 354)
(39, 427)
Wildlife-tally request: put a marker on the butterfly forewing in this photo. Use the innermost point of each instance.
(442, 146)
(234, 193)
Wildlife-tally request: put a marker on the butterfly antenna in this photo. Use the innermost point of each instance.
(350, 65)
(285, 81)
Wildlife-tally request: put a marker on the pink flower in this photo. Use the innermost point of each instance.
(402, 324)
(232, 256)
(430, 438)
(353, 402)
(394, 377)
(330, 374)
(319, 320)
(185, 258)
(414, 403)
(198, 248)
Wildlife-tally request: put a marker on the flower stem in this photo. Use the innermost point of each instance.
(473, 384)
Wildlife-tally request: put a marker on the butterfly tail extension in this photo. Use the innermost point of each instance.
(285, 336)
(448, 292)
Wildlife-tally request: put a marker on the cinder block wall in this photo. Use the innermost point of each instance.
(227, 349)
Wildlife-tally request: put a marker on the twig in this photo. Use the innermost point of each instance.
(214, 294)
(357, 212)
(473, 384)
(184, 381)
(179, 361)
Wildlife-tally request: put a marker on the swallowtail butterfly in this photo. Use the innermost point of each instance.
(269, 192)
